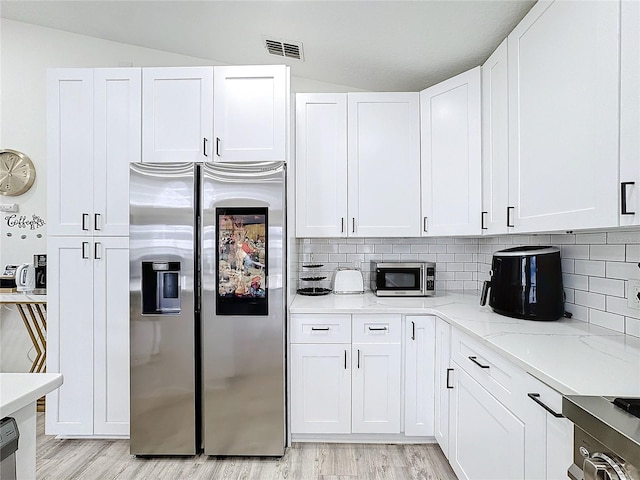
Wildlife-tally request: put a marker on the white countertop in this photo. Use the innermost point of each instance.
(22, 298)
(18, 390)
(571, 356)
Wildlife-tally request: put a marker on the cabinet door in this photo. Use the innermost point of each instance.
(117, 124)
(451, 155)
(320, 388)
(69, 151)
(487, 441)
(559, 447)
(111, 335)
(630, 113)
(250, 113)
(564, 116)
(70, 334)
(384, 164)
(419, 373)
(177, 114)
(321, 165)
(442, 388)
(495, 142)
(376, 388)
(549, 437)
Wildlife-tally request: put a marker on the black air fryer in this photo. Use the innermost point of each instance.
(526, 282)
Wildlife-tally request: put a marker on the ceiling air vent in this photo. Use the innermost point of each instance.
(284, 48)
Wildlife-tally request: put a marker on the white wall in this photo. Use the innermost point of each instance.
(26, 51)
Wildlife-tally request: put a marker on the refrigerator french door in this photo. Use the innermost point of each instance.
(207, 268)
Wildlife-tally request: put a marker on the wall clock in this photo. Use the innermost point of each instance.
(17, 172)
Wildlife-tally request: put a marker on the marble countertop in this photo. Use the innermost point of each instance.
(571, 356)
(18, 390)
(22, 298)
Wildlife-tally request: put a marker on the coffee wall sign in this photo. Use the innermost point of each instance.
(22, 221)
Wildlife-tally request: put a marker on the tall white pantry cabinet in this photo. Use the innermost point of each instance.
(93, 122)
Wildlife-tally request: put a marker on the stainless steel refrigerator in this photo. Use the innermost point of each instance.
(207, 288)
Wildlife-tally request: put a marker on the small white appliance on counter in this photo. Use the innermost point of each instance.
(25, 278)
(347, 281)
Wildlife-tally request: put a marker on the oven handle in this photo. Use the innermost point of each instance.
(536, 398)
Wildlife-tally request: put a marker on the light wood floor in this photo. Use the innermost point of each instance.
(110, 460)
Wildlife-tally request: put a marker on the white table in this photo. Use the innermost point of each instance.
(18, 395)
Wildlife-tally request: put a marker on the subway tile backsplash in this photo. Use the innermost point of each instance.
(596, 267)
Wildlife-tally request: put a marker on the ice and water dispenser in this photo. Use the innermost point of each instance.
(161, 288)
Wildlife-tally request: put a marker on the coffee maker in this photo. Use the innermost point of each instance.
(40, 264)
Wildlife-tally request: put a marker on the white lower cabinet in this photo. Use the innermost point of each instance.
(486, 439)
(419, 371)
(340, 387)
(502, 422)
(376, 388)
(554, 453)
(88, 335)
(442, 387)
(321, 388)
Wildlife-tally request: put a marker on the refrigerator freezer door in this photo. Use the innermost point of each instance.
(243, 263)
(162, 328)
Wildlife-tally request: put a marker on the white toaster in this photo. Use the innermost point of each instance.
(347, 280)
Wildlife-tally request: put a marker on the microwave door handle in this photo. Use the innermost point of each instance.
(423, 274)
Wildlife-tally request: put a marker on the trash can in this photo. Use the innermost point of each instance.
(9, 436)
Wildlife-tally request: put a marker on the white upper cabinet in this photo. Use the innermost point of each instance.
(384, 165)
(564, 116)
(495, 142)
(117, 133)
(250, 112)
(321, 164)
(93, 129)
(630, 114)
(451, 156)
(177, 114)
(69, 151)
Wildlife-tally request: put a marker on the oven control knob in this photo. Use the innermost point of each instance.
(603, 467)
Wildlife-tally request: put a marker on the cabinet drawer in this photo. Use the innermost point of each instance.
(376, 328)
(321, 328)
(496, 374)
(543, 395)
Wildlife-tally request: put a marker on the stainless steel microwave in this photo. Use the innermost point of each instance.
(416, 279)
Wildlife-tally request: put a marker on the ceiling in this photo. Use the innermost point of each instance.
(372, 45)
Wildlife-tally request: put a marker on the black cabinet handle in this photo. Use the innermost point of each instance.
(413, 330)
(85, 255)
(96, 221)
(218, 146)
(623, 198)
(318, 329)
(353, 225)
(509, 216)
(449, 370)
(204, 146)
(85, 220)
(358, 358)
(425, 224)
(482, 227)
(345, 359)
(342, 225)
(96, 248)
(536, 398)
(475, 360)
(376, 329)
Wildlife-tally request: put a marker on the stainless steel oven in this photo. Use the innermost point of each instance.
(416, 279)
(606, 439)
